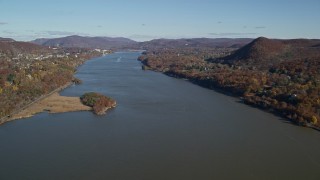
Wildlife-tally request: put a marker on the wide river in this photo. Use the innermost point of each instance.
(162, 129)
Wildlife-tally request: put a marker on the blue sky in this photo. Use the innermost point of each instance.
(146, 19)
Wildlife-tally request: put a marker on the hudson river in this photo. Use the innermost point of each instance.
(162, 129)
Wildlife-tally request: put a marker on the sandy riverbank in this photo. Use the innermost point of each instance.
(54, 103)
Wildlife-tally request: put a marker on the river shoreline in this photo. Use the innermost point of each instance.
(53, 103)
(16, 114)
(49, 102)
(229, 92)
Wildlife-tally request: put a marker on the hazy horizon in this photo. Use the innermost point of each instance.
(143, 20)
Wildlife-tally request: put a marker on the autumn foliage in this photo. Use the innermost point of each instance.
(281, 76)
(28, 72)
(98, 102)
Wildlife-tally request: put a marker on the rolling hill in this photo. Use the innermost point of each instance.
(264, 52)
(6, 39)
(11, 48)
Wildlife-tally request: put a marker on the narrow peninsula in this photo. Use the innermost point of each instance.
(55, 103)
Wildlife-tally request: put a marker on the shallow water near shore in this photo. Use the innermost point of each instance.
(162, 128)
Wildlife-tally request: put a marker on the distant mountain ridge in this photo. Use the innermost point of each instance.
(125, 43)
(6, 39)
(195, 42)
(86, 42)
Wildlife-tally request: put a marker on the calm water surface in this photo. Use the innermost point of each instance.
(162, 129)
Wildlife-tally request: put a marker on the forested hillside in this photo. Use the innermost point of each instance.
(28, 71)
(281, 76)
